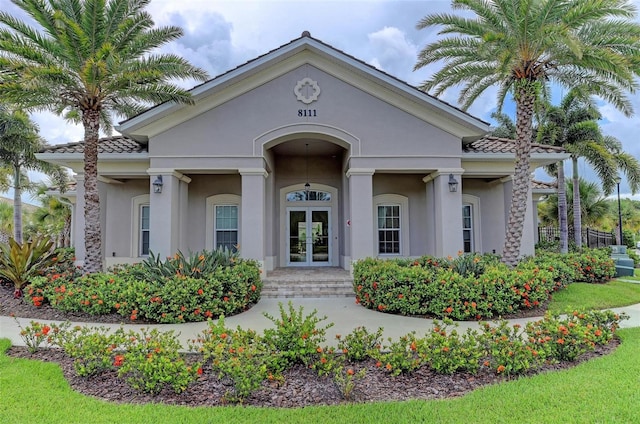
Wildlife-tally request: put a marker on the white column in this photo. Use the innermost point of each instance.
(361, 207)
(252, 214)
(78, 233)
(447, 212)
(166, 219)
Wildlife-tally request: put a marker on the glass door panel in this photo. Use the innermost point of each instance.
(320, 236)
(309, 236)
(298, 236)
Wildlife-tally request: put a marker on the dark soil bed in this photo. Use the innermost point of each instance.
(301, 386)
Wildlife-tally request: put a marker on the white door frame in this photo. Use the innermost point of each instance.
(309, 248)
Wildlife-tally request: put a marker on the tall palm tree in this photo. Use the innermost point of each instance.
(88, 61)
(570, 123)
(594, 206)
(522, 46)
(19, 142)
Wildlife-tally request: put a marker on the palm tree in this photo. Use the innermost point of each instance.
(19, 142)
(522, 46)
(53, 218)
(594, 206)
(566, 125)
(88, 61)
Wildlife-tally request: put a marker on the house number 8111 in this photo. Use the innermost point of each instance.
(307, 112)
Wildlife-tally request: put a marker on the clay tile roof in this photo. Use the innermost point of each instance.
(489, 144)
(543, 185)
(115, 144)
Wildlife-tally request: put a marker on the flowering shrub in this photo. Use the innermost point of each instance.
(167, 299)
(401, 356)
(151, 360)
(238, 355)
(34, 335)
(345, 379)
(472, 286)
(509, 351)
(566, 338)
(447, 352)
(360, 344)
(296, 338)
(93, 349)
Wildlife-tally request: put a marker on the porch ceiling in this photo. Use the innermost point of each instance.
(298, 147)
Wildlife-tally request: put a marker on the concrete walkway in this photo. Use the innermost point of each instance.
(343, 312)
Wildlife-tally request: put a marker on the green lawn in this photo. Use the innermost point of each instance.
(603, 390)
(595, 296)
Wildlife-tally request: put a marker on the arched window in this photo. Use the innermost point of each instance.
(308, 196)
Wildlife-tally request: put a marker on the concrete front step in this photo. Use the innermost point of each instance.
(308, 282)
(324, 289)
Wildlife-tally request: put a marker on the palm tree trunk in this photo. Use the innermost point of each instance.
(577, 208)
(525, 98)
(92, 232)
(562, 210)
(66, 231)
(17, 205)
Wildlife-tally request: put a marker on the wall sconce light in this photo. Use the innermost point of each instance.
(157, 184)
(453, 184)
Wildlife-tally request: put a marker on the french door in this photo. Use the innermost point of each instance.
(308, 236)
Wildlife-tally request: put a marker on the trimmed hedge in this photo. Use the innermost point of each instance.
(472, 286)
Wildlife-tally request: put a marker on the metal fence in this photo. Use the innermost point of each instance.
(590, 237)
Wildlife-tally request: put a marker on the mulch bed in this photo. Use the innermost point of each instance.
(301, 386)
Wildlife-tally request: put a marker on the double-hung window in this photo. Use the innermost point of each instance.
(226, 227)
(143, 249)
(389, 229)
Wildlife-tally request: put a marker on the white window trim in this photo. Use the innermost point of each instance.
(220, 200)
(136, 203)
(393, 200)
(474, 201)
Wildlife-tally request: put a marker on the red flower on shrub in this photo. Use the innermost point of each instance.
(119, 359)
(200, 292)
(199, 371)
(449, 310)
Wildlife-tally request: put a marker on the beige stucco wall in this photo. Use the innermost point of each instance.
(116, 209)
(229, 129)
(492, 212)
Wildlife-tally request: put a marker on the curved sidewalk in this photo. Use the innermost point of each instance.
(343, 312)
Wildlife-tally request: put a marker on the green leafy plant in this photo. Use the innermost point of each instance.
(93, 349)
(296, 338)
(346, 379)
(448, 352)
(151, 361)
(35, 335)
(401, 356)
(360, 344)
(237, 355)
(510, 351)
(21, 262)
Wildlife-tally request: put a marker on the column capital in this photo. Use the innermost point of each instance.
(443, 171)
(360, 171)
(253, 171)
(168, 171)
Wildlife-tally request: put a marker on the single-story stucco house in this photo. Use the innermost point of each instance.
(304, 156)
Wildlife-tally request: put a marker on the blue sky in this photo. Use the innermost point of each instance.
(220, 35)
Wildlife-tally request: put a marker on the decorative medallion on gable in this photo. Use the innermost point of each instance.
(307, 90)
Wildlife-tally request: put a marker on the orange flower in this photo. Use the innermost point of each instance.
(388, 367)
(319, 349)
(199, 371)
(200, 292)
(378, 364)
(449, 310)
(560, 341)
(500, 369)
(445, 349)
(323, 360)
(46, 329)
(350, 371)
(413, 346)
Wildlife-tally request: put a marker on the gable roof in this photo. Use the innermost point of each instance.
(135, 126)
